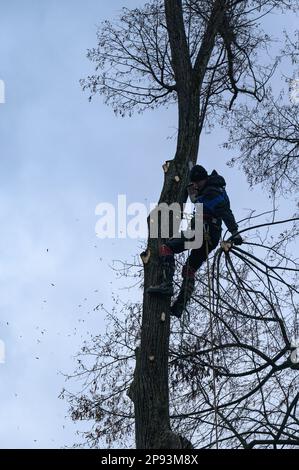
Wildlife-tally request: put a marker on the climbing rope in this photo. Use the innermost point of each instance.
(211, 311)
(185, 318)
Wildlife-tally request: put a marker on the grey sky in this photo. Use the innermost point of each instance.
(60, 156)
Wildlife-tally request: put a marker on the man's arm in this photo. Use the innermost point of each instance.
(224, 211)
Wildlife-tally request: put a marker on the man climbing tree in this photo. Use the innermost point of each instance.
(210, 192)
(201, 55)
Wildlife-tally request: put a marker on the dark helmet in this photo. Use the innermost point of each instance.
(198, 173)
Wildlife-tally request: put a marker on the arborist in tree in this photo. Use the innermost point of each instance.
(209, 190)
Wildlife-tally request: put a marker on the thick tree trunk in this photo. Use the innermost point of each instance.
(149, 390)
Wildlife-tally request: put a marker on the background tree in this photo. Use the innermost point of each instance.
(267, 135)
(201, 55)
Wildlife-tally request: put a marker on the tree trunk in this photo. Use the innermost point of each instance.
(149, 390)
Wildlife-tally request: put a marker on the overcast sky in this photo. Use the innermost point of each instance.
(60, 157)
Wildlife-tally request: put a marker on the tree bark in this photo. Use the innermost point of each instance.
(149, 390)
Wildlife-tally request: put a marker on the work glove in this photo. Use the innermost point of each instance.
(236, 239)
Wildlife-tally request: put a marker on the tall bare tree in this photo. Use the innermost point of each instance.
(200, 55)
(267, 135)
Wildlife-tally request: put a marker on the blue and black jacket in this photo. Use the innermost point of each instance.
(216, 203)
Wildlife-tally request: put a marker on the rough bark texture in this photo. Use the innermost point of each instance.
(149, 390)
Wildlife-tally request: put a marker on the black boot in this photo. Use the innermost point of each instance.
(185, 294)
(168, 268)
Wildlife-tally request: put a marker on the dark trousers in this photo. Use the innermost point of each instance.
(198, 255)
